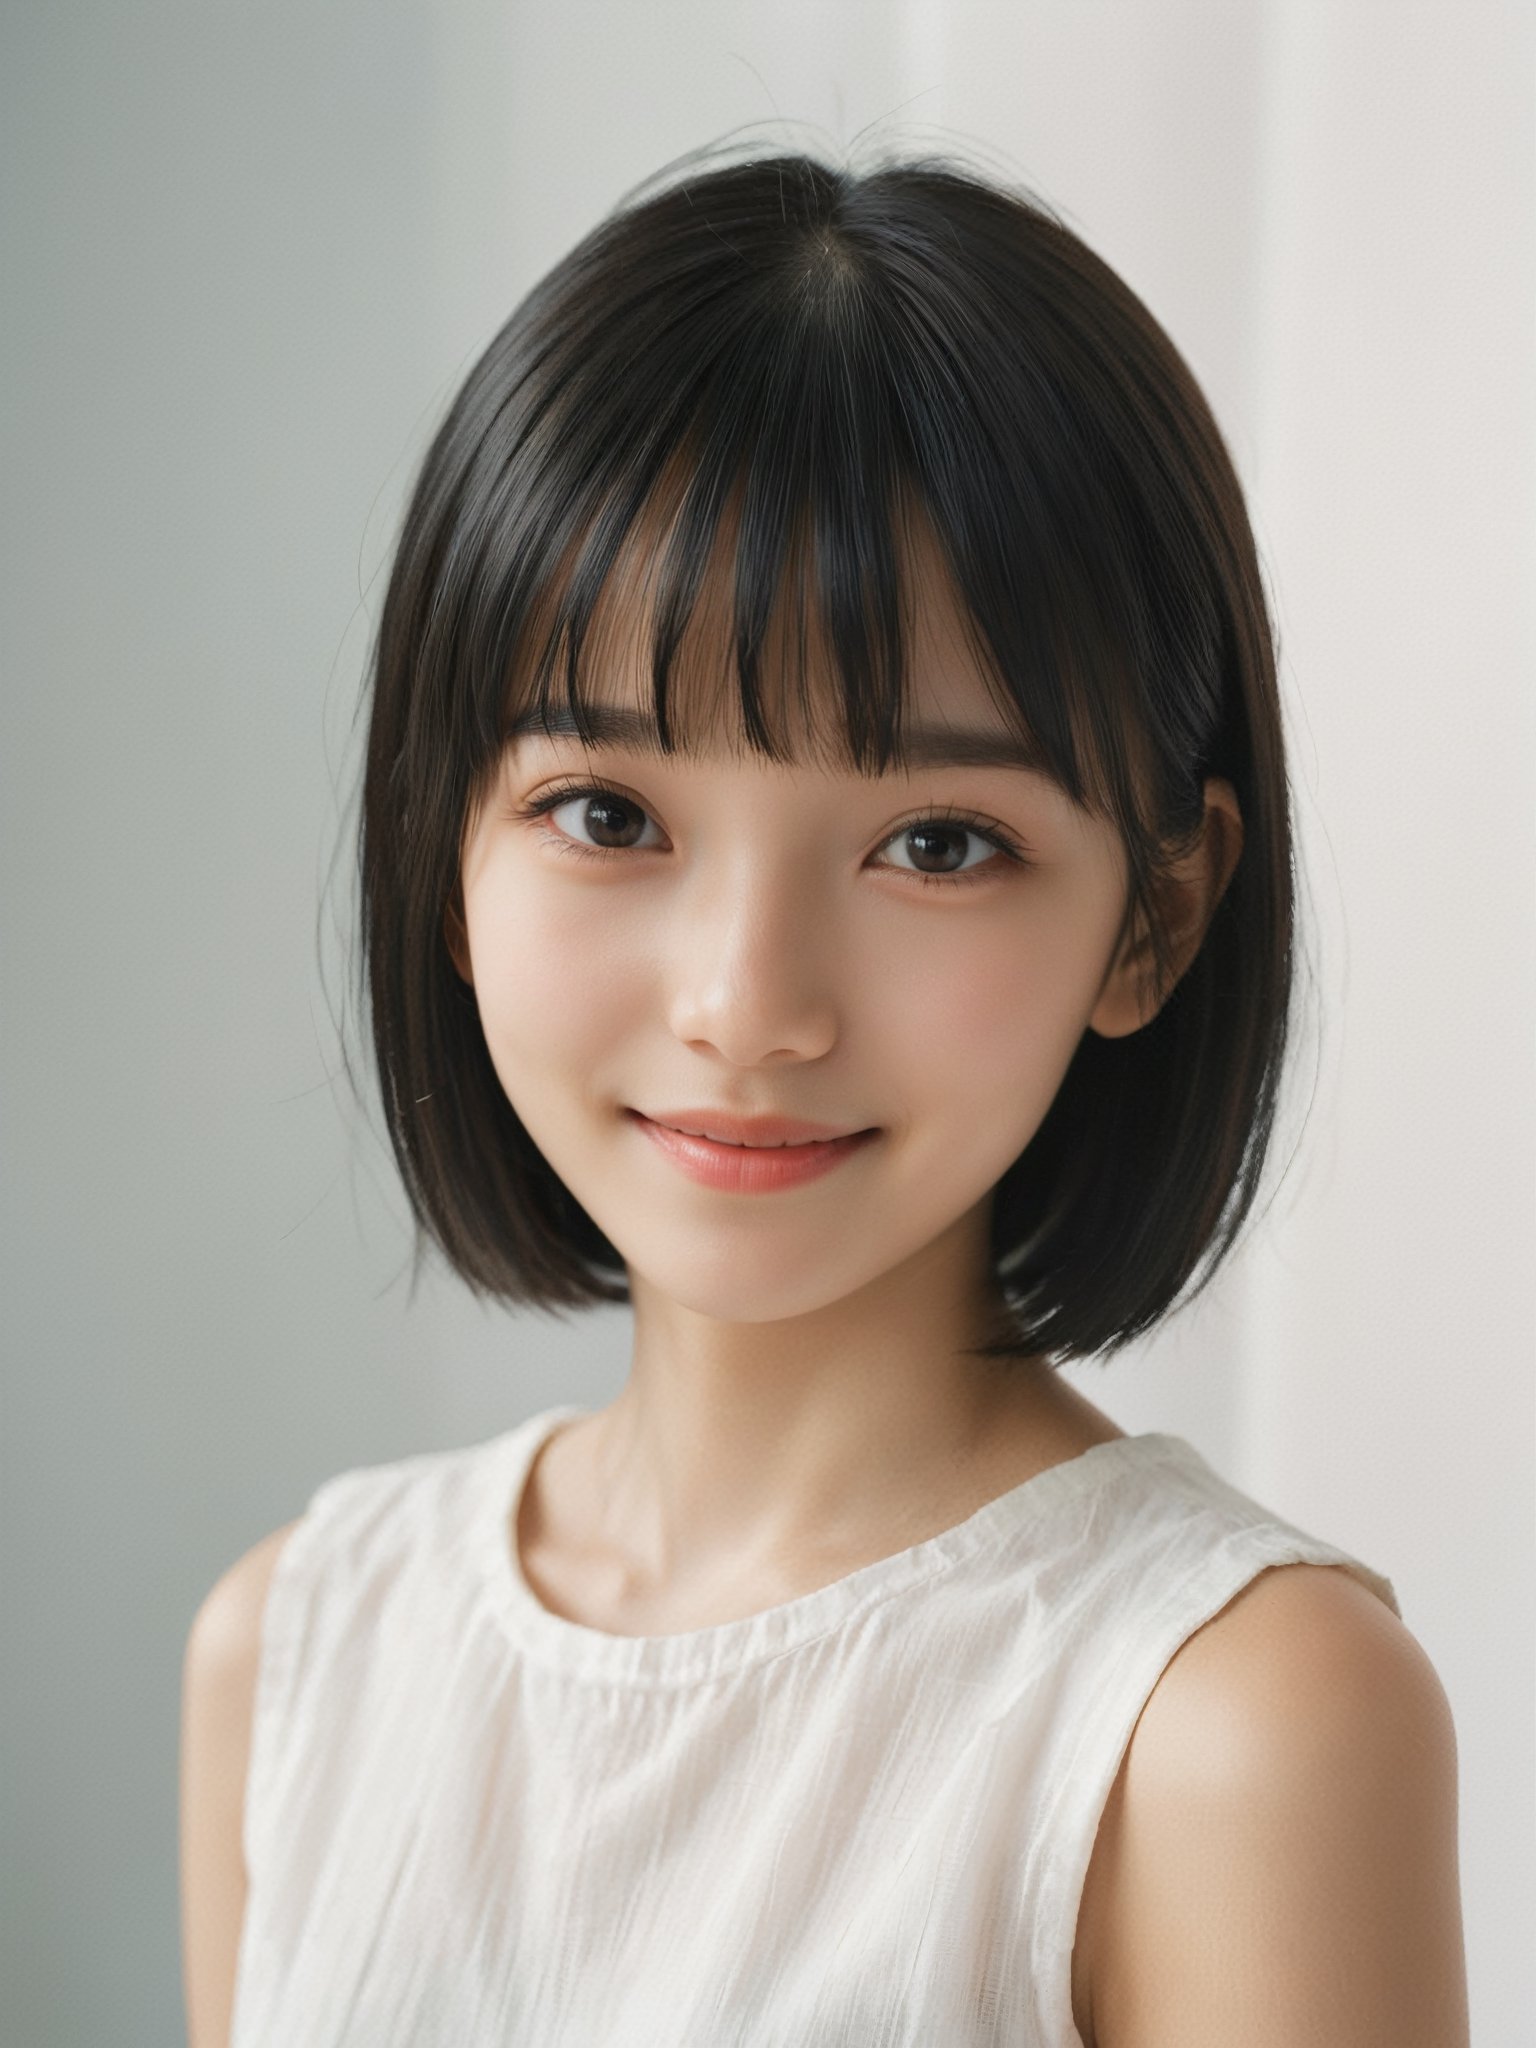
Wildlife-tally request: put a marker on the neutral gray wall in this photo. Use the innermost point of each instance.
(247, 254)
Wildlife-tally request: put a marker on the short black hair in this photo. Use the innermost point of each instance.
(812, 351)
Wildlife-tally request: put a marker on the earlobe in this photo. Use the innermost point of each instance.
(1191, 889)
(1128, 998)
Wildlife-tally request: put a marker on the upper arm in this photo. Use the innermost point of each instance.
(218, 1687)
(1280, 1860)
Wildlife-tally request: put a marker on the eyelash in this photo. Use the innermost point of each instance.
(564, 793)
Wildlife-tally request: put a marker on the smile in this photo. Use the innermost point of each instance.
(739, 1168)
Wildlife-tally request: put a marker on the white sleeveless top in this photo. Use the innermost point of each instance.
(861, 1819)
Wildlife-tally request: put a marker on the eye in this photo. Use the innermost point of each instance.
(610, 815)
(596, 808)
(946, 831)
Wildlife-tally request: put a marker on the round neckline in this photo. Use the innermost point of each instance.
(721, 1648)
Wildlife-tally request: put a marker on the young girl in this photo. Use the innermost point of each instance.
(827, 883)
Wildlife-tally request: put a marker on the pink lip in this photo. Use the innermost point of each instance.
(745, 1130)
(744, 1170)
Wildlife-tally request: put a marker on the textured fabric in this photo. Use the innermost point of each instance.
(859, 1819)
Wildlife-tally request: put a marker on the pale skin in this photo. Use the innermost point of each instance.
(1277, 1862)
(797, 1394)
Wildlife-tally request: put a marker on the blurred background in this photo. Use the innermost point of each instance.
(249, 252)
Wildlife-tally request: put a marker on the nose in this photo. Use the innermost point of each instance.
(750, 965)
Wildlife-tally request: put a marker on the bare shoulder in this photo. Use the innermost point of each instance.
(219, 1671)
(1278, 1859)
(227, 1626)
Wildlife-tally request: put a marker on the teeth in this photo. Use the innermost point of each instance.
(740, 1144)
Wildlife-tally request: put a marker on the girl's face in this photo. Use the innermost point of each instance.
(723, 932)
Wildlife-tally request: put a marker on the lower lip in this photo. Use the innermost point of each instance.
(751, 1169)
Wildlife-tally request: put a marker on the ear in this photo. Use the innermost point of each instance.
(456, 934)
(1189, 893)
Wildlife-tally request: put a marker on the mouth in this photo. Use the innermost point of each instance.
(735, 1166)
(751, 1134)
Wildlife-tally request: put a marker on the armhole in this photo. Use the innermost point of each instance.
(1373, 1582)
(276, 1663)
(1085, 1774)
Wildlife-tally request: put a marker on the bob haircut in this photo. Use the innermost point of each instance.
(813, 355)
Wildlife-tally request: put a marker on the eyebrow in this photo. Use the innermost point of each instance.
(928, 746)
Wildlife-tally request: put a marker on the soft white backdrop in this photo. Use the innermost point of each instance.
(249, 253)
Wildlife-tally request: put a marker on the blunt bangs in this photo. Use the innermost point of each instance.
(763, 402)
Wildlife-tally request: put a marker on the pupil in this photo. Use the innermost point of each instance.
(598, 805)
(941, 833)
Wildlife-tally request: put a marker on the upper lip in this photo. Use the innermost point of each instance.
(746, 1130)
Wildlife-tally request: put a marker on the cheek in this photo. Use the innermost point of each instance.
(994, 1016)
(552, 979)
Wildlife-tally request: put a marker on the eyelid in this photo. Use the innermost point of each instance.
(564, 792)
(557, 794)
